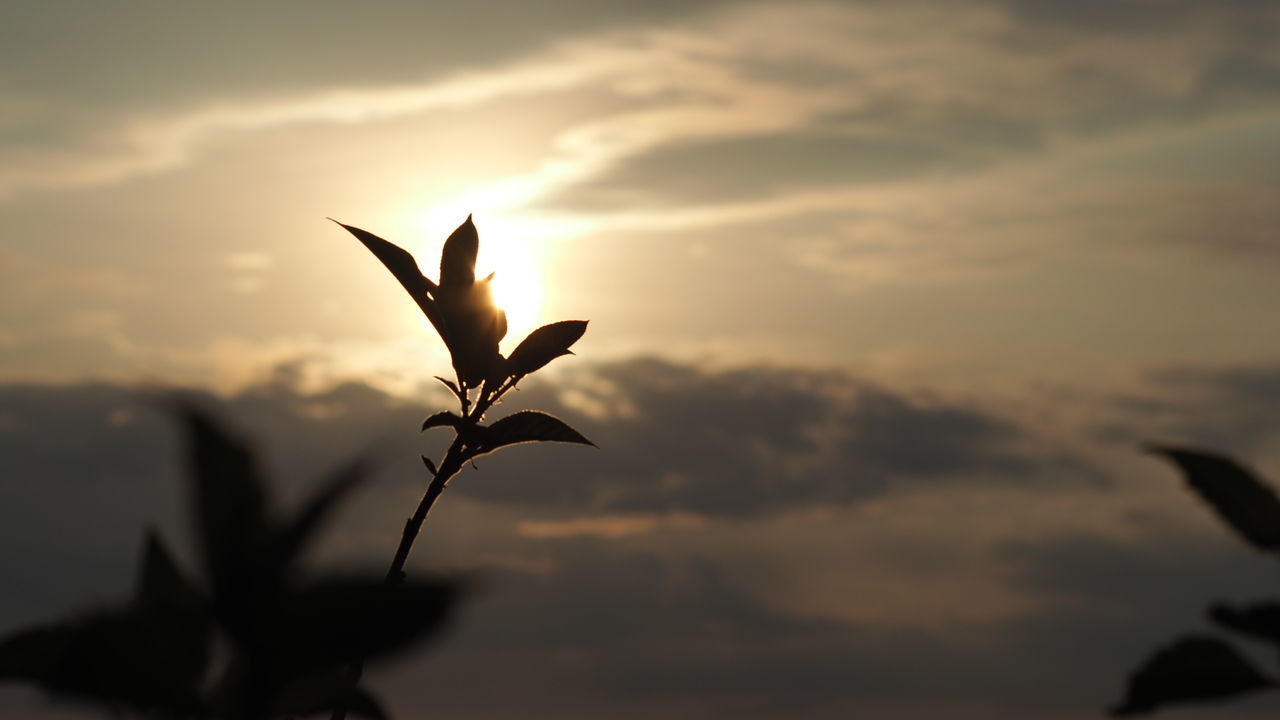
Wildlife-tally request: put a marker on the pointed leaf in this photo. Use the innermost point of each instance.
(325, 691)
(362, 704)
(346, 619)
(525, 426)
(1261, 620)
(544, 345)
(1240, 498)
(430, 465)
(402, 266)
(230, 503)
(442, 419)
(33, 654)
(470, 325)
(162, 586)
(114, 658)
(293, 538)
(1193, 668)
(458, 260)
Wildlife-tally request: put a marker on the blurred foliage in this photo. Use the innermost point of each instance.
(1201, 668)
(290, 634)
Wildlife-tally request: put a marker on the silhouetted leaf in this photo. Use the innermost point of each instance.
(525, 426)
(458, 259)
(115, 658)
(442, 419)
(1261, 620)
(450, 384)
(1239, 497)
(345, 619)
(402, 266)
(33, 654)
(471, 326)
(430, 465)
(326, 691)
(291, 540)
(161, 585)
(1193, 668)
(230, 509)
(365, 705)
(544, 345)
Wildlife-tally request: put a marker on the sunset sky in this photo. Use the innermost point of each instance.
(884, 298)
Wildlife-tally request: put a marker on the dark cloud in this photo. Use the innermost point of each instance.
(1111, 602)
(763, 166)
(1230, 409)
(161, 55)
(762, 441)
(1139, 16)
(580, 628)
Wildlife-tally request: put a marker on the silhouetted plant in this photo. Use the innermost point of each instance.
(297, 645)
(1200, 667)
(292, 638)
(462, 310)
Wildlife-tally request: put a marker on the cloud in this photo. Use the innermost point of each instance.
(763, 441)
(963, 562)
(1229, 408)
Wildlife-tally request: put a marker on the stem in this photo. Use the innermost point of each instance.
(449, 466)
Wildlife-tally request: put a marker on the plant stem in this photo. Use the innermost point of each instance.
(449, 466)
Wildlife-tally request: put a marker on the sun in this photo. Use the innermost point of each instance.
(513, 246)
(518, 286)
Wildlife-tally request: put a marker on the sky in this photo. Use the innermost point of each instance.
(884, 299)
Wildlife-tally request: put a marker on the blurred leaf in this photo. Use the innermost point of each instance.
(441, 419)
(525, 426)
(325, 691)
(430, 465)
(1193, 668)
(458, 259)
(345, 619)
(230, 509)
(544, 345)
(1239, 497)
(291, 540)
(116, 658)
(33, 654)
(162, 586)
(402, 266)
(1261, 620)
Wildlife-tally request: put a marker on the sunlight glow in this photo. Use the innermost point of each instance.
(518, 283)
(512, 246)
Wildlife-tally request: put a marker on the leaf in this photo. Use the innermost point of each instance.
(458, 259)
(525, 426)
(290, 541)
(115, 658)
(471, 326)
(342, 619)
(230, 507)
(161, 584)
(544, 345)
(402, 266)
(1239, 497)
(33, 654)
(1193, 668)
(325, 691)
(1261, 620)
(430, 465)
(441, 419)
